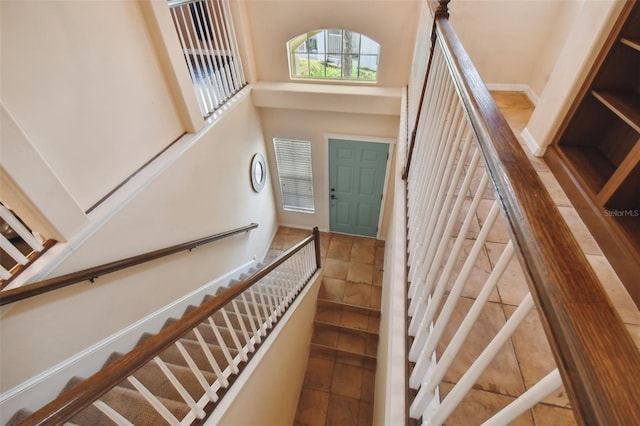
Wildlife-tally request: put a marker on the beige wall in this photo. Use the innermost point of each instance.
(83, 81)
(513, 41)
(391, 23)
(201, 194)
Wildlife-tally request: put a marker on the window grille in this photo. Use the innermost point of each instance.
(293, 160)
(334, 54)
(210, 48)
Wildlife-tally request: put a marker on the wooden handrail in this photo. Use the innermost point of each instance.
(40, 287)
(594, 352)
(85, 393)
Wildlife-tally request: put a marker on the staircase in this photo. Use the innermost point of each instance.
(183, 382)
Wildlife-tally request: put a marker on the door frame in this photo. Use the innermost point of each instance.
(361, 138)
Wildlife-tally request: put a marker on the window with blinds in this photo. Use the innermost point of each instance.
(293, 160)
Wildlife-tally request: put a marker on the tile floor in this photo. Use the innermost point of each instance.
(340, 393)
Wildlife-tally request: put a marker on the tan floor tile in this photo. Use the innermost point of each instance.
(366, 414)
(368, 385)
(580, 231)
(319, 374)
(354, 320)
(332, 289)
(478, 172)
(534, 354)
(479, 274)
(555, 190)
(512, 287)
(474, 227)
(357, 294)
(313, 406)
(343, 411)
(478, 406)
(328, 314)
(279, 241)
(374, 323)
(325, 336)
(339, 249)
(335, 268)
(379, 257)
(351, 342)
(347, 381)
(363, 253)
(371, 346)
(615, 289)
(376, 297)
(502, 375)
(547, 415)
(498, 232)
(378, 274)
(360, 272)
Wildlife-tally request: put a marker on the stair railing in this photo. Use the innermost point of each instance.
(20, 245)
(463, 147)
(266, 295)
(90, 274)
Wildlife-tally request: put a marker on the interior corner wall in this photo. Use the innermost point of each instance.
(314, 126)
(83, 81)
(208, 190)
(513, 42)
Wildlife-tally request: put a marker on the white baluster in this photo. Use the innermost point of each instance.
(212, 360)
(199, 412)
(196, 372)
(223, 346)
(545, 387)
(234, 336)
(116, 417)
(155, 403)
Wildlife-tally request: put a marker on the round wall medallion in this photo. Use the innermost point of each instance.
(258, 172)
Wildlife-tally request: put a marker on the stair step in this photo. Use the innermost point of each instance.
(152, 377)
(343, 328)
(18, 417)
(351, 308)
(172, 354)
(348, 357)
(131, 405)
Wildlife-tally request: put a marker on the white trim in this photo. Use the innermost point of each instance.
(515, 87)
(50, 260)
(531, 143)
(360, 138)
(42, 388)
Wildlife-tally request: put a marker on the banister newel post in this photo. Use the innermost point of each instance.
(442, 11)
(316, 242)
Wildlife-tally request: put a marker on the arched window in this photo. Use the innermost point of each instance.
(334, 54)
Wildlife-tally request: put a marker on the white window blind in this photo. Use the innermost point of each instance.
(293, 159)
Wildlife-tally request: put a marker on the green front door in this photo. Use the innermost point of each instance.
(356, 181)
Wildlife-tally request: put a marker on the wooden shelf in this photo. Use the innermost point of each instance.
(596, 157)
(593, 168)
(633, 43)
(625, 105)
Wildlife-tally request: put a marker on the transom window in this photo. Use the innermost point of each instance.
(334, 54)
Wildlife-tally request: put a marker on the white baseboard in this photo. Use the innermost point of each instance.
(498, 87)
(41, 389)
(531, 143)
